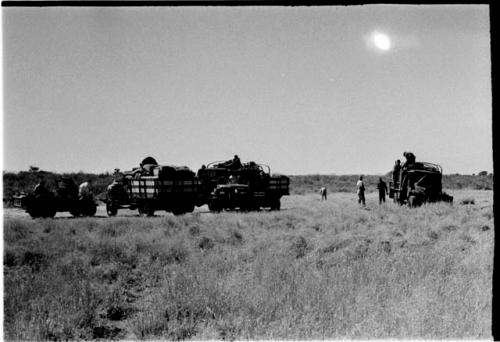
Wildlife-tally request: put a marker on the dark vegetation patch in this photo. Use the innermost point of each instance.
(205, 243)
(299, 247)
(467, 201)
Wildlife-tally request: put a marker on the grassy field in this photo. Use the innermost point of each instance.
(315, 270)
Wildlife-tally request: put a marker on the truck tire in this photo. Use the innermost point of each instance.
(146, 209)
(413, 201)
(75, 212)
(214, 207)
(276, 204)
(33, 211)
(111, 209)
(50, 212)
(178, 211)
(90, 210)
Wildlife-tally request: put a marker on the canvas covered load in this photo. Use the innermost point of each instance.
(173, 172)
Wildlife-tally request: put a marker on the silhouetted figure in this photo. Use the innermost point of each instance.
(410, 159)
(395, 172)
(40, 189)
(322, 192)
(236, 164)
(361, 191)
(117, 191)
(84, 189)
(382, 191)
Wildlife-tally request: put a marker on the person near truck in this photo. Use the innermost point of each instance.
(382, 190)
(361, 191)
(395, 172)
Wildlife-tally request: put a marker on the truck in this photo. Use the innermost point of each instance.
(65, 198)
(248, 186)
(418, 183)
(170, 188)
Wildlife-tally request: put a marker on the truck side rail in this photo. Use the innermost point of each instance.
(279, 184)
(151, 187)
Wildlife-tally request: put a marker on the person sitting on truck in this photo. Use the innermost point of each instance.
(201, 171)
(84, 189)
(410, 159)
(116, 190)
(40, 189)
(236, 163)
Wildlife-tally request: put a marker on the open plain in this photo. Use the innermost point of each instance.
(314, 270)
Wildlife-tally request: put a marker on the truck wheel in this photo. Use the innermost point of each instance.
(50, 213)
(91, 210)
(147, 209)
(276, 204)
(111, 209)
(47, 211)
(178, 212)
(214, 207)
(33, 211)
(413, 201)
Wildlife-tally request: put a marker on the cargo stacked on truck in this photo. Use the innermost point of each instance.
(415, 183)
(231, 185)
(153, 187)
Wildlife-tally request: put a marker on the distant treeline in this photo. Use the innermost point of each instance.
(24, 181)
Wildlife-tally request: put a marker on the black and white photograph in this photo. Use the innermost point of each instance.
(193, 171)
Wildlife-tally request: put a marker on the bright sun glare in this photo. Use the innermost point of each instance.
(381, 41)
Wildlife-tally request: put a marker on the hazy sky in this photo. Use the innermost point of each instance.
(303, 89)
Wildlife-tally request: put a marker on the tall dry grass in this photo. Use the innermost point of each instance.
(315, 270)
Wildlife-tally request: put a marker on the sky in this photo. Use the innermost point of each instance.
(305, 90)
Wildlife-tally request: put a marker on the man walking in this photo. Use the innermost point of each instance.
(382, 190)
(361, 191)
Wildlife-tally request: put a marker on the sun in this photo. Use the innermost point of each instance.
(381, 41)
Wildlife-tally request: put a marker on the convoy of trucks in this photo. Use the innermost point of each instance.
(223, 185)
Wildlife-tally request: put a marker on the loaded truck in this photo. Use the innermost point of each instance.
(248, 186)
(417, 183)
(220, 185)
(45, 203)
(162, 187)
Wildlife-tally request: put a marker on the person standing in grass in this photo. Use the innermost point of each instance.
(322, 191)
(382, 191)
(361, 191)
